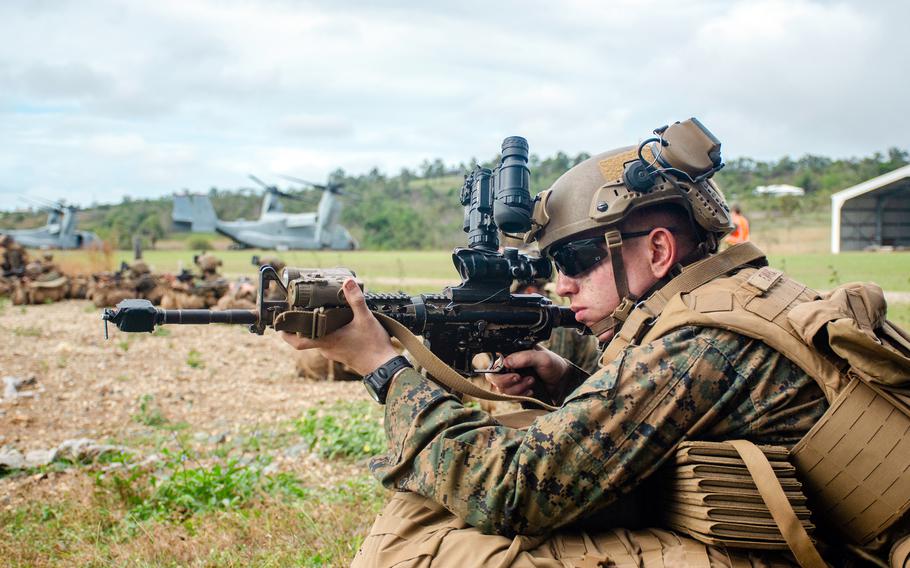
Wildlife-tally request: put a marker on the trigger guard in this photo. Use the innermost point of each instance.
(496, 367)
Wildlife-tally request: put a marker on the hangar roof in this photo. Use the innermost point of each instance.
(884, 180)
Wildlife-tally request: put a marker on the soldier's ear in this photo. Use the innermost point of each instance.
(663, 249)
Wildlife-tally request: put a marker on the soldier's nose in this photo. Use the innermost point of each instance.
(565, 285)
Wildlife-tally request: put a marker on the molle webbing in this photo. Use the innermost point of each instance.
(739, 495)
(855, 462)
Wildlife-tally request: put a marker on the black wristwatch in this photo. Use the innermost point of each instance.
(377, 382)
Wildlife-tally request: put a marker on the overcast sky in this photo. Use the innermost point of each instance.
(101, 99)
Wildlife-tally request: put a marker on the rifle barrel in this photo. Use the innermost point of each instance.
(140, 315)
(207, 316)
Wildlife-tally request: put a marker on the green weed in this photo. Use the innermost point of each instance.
(124, 344)
(161, 332)
(187, 491)
(98, 530)
(363, 489)
(833, 277)
(27, 331)
(343, 430)
(194, 359)
(199, 243)
(256, 440)
(149, 412)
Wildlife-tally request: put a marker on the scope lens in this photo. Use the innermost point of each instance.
(289, 274)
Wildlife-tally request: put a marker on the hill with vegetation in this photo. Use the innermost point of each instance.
(419, 209)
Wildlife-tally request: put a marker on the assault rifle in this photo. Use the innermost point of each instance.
(480, 315)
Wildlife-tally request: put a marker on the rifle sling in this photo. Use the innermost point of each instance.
(779, 506)
(442, 373)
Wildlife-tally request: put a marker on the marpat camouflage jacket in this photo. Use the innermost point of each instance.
(610, 433)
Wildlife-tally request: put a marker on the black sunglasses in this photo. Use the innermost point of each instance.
(577, 257)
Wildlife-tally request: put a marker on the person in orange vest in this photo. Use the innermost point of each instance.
(740, 232)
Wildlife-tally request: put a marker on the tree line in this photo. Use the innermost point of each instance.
(420, 209)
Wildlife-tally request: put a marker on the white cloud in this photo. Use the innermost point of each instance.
(309, 125)
(117, 145)
(100, 97)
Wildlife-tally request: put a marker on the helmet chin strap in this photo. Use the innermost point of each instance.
(628, 301)
(621, 281)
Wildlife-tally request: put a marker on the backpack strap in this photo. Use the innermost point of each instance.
(781, 511)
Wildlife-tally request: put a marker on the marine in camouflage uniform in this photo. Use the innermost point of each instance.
(463, 475)
(190, 291)
(208, 264)
(42, 282)
(13, 257)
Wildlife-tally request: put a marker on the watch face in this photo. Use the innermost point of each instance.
(377, 382)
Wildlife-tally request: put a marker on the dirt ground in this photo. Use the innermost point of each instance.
(219, 380)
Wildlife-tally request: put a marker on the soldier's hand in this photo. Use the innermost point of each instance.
(548, 367)
(363, 344)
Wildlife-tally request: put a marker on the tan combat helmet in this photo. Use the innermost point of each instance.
(275, 262)
(138, 267)
(207, 262)
(673, 168)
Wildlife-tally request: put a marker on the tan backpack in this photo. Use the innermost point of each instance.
(854, 461)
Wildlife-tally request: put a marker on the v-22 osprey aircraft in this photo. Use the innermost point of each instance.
(274, 229)
(59, 232)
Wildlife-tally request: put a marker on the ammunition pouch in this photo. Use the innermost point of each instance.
(738, 495)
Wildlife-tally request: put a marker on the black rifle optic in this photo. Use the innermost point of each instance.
(480, 315)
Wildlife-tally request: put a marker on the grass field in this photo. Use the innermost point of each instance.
(213, 500)
(818, 270)
(797, 249)
(367, 264)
